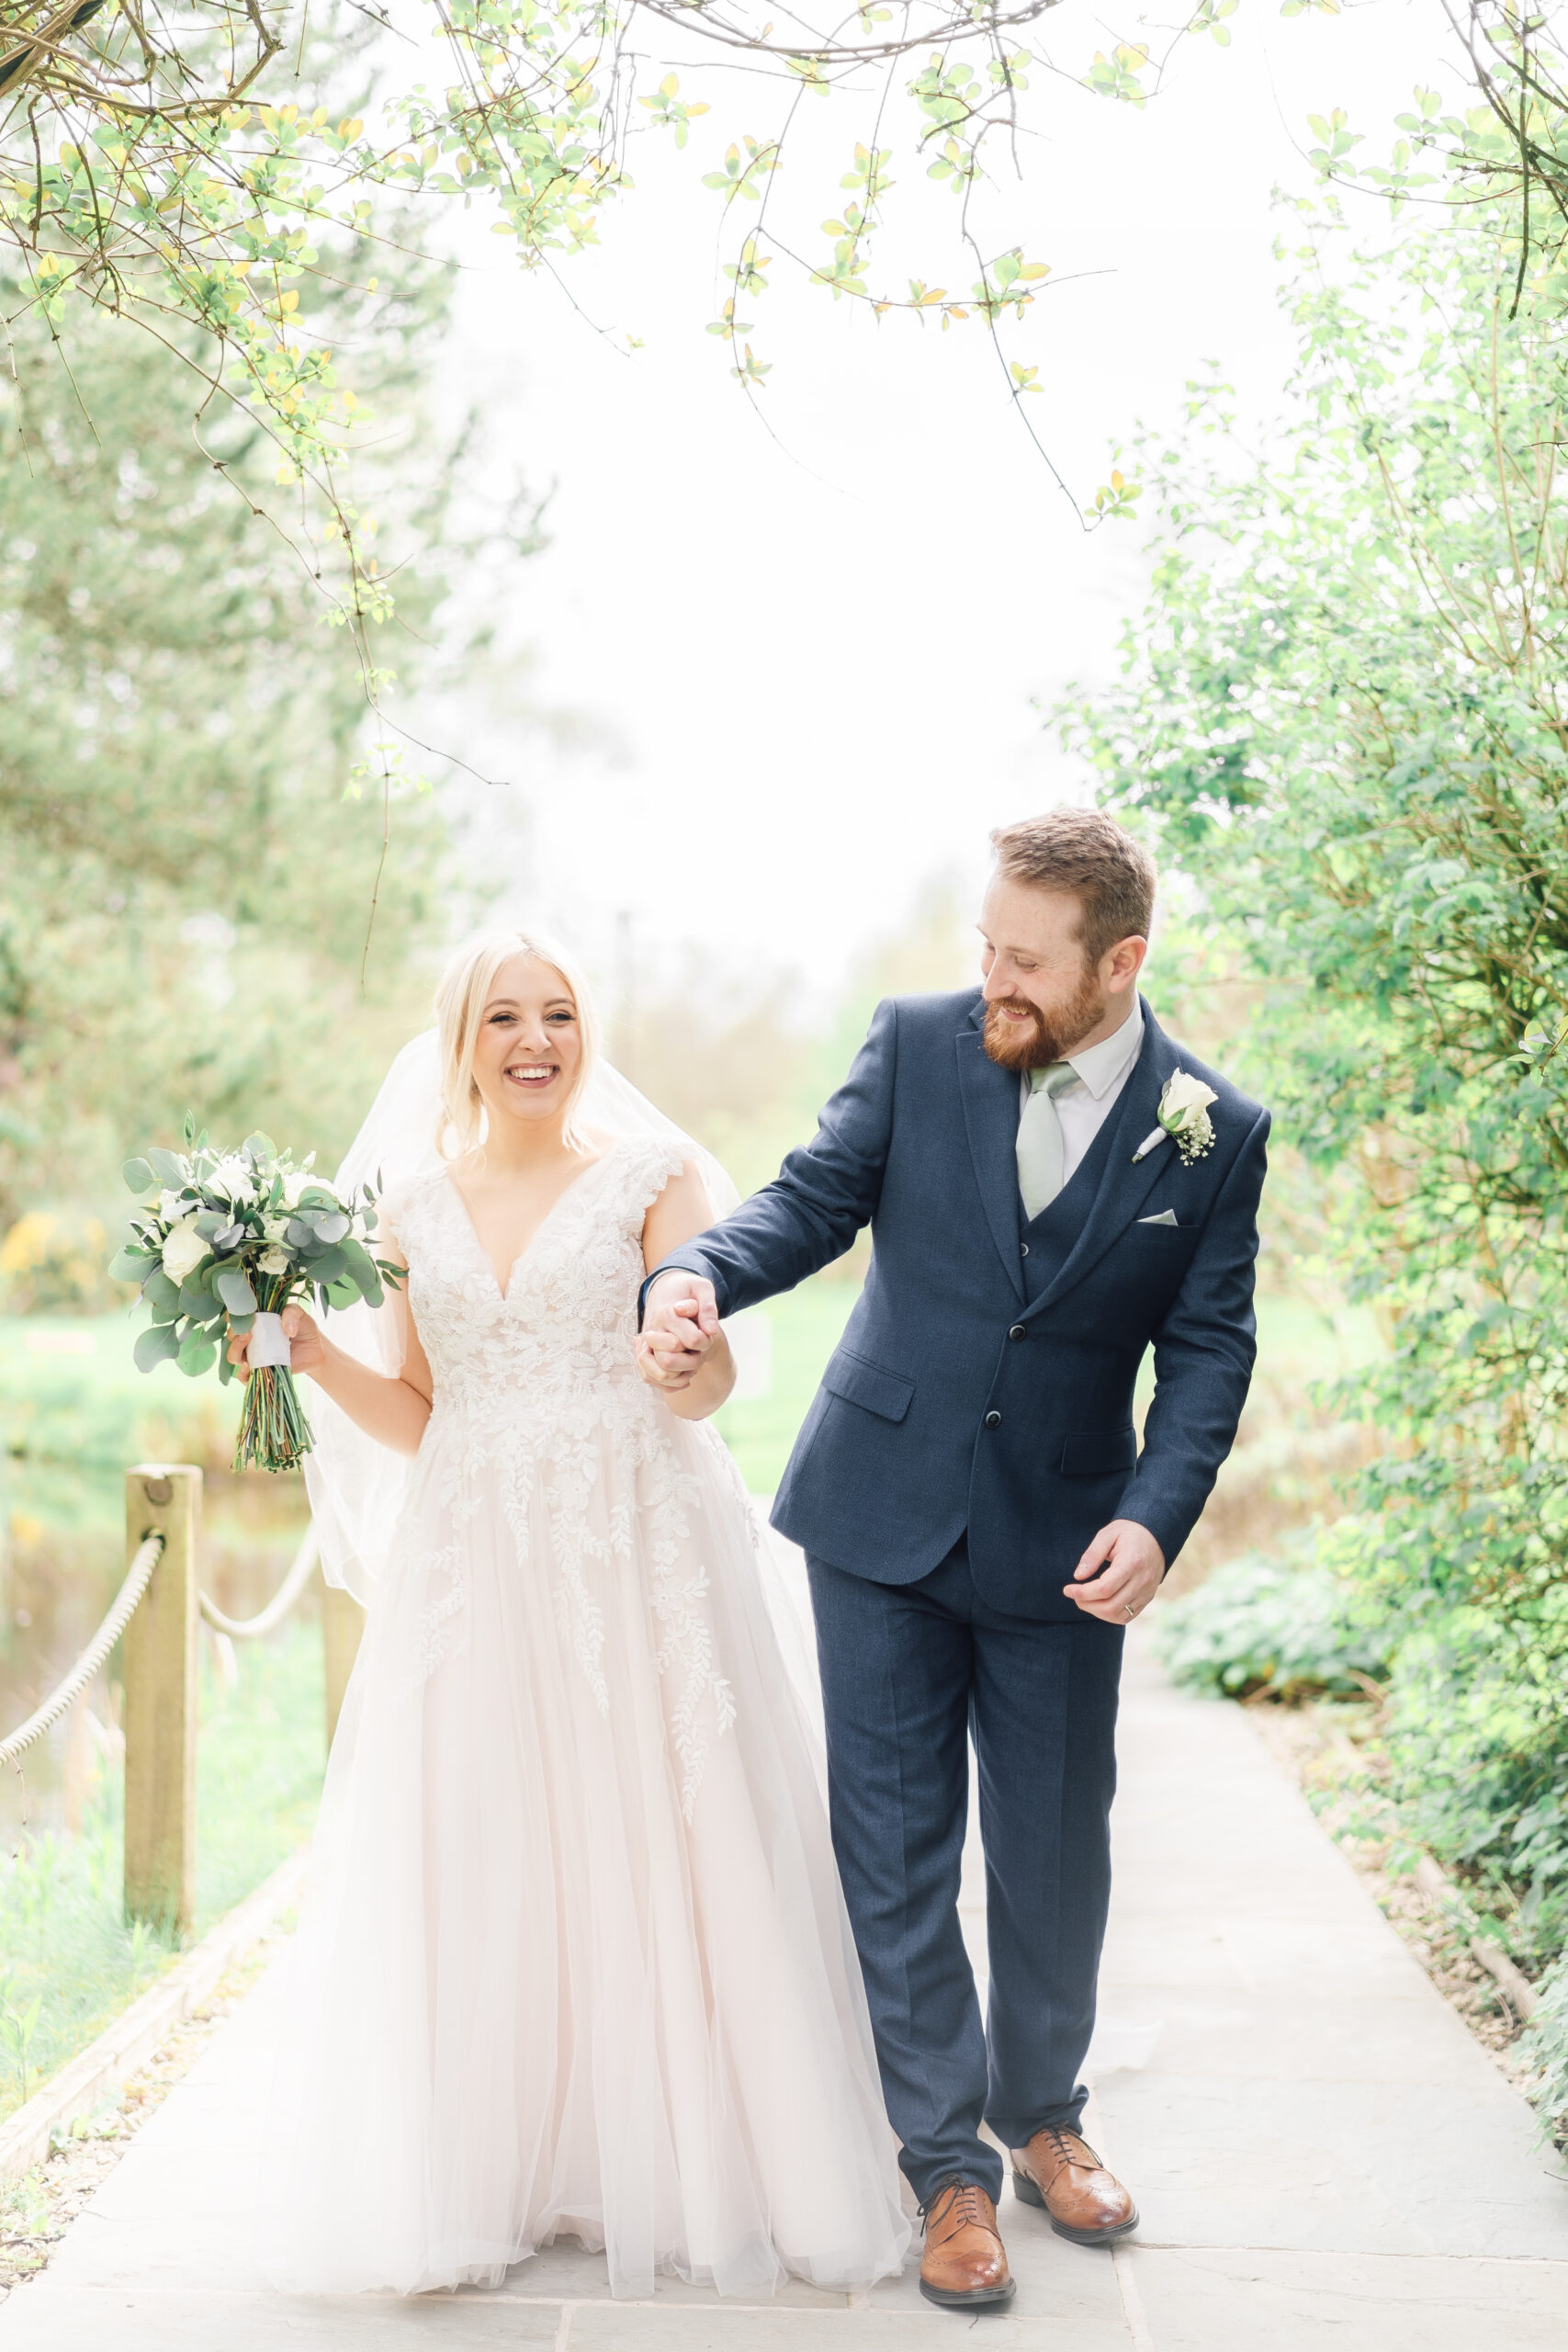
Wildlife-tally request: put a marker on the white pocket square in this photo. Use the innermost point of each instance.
(1165, 1216)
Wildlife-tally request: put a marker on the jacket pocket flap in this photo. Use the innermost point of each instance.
(1088, 1451)
(850, 1377)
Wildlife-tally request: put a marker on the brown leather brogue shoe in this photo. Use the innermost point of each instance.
(1060, 2171)
(965, 2263)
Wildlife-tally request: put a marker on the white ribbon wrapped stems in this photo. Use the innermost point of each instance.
(268, 1345)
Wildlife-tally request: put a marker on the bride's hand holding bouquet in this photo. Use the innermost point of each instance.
(307, 1343)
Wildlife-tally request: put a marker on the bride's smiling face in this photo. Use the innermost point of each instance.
(529, 1047)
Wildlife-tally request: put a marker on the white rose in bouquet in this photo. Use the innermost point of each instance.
(183, 1250)
(231, 1180)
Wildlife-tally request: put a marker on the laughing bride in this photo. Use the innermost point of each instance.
(574, 1961)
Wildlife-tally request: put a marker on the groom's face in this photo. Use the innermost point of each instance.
(1043, 998)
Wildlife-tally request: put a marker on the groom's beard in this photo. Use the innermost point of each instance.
(1042, 1038)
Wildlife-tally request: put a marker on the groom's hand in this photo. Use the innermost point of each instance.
(1119, 1575)
(680, 1325)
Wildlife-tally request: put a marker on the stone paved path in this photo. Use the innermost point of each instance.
(1322, 2155)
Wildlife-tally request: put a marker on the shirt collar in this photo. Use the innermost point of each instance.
(1101, 1067)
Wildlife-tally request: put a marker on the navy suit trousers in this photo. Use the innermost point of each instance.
(910, 1674)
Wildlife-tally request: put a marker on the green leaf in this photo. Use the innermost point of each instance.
(161, 1295)
(328, 1266)
(155, 1347)
(166, 1168)
(195, 1297)
(198, 1354)
(343, 1293)
(129, 1264)
(233, 1288)
(139, 1175)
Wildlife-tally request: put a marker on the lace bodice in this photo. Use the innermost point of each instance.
(538, 1410)
(562, 1334)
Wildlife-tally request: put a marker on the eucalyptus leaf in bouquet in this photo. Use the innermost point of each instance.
(225, 1240)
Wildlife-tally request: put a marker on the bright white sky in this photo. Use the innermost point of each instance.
(795, 682)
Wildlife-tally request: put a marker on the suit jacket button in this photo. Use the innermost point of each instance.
(993, 1420)
(1017, 1332)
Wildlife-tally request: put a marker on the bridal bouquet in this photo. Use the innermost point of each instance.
(233, 1238)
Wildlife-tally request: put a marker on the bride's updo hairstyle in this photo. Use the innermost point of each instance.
(460, 1000)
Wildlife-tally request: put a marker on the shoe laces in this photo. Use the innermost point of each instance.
(1081, 2155)
(958, 2202)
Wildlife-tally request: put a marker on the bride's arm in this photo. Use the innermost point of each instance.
(682, 1211)
(393, 1411)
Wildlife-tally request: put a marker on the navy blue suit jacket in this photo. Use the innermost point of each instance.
(984, 1379)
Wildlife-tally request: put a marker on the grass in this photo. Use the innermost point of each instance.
(70, 1392)
(69, 1960)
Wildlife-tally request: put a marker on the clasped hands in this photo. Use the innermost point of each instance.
(1119, 1571)
(680, 1325)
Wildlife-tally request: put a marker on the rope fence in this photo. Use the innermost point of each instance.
(252, 1629)
(137, 1576)
(158, 1612)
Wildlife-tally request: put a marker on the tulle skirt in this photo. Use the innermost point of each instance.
(574, 1960)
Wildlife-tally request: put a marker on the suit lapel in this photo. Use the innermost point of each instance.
(1123, 1188)
(990, 1115)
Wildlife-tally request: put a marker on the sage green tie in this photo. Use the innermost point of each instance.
(1040, 1137)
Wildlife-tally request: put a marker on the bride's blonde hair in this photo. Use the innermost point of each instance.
(460, 1001)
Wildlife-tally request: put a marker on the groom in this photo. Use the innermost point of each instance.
(979, 1523)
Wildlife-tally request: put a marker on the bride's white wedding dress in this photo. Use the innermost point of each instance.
(575, 1958)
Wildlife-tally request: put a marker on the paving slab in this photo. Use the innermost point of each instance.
(1318, 2093)
(1321, 2153)
(1235, 2302)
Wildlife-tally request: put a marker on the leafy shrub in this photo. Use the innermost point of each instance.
(1262, 1624)
(1545, 2045)
(1475, 1757)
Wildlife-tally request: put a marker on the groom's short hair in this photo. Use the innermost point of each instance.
(1094, 860)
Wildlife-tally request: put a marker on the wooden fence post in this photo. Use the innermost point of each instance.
(342, 1622)
(159, 1700)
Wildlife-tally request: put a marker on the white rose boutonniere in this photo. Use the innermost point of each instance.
(1183, 1115)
